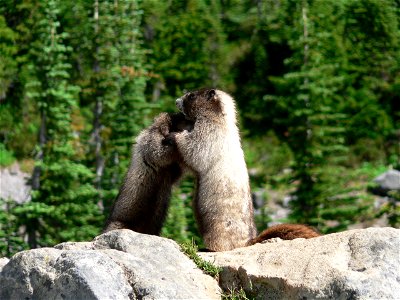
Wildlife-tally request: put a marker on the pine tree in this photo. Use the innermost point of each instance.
(371, 37)
(17, 131)
(63, 200)
(309, 102)
(131, 110)
(11, 241)
(8, 49)
(187, 43)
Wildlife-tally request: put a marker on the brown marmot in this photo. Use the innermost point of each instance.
(143, 199)
(212, 150)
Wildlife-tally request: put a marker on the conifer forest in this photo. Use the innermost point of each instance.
(316, 82)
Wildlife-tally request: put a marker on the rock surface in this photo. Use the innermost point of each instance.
(357, 264)
(3, 262)
(13, 184)
(388, 181)
(120, 264)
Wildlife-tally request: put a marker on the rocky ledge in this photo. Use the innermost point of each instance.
(357, 264)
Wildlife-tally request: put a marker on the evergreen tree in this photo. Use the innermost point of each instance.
(187, 45)
(17, 122)
(8, 49)
(113, 61)
(63, 200)
(130, 113)
(309, 100)
(8, 69)
(11, 241)
(371, 37)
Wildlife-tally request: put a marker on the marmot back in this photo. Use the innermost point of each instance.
(143, 199)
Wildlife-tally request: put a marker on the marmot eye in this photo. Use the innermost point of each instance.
(191, 96)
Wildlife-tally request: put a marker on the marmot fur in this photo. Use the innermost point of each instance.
(143, 199)
(285, 232)
(212, 150)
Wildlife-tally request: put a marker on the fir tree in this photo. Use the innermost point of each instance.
(63, 200)
(186, 42)
(371, 37)
(11, 241)
(115, 91)
(131, 110)
(8, 49)
(310, 100)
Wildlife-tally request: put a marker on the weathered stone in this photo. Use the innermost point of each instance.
(119, 264)
(357, 264)
(388, 181)
(13, 184)
(3, 262)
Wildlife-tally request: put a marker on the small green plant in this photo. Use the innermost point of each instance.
(190, 249)
(6, 156)
(235, 294)
(391, 209)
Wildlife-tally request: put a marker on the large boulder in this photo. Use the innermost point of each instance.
(357, 264)
(119, 264)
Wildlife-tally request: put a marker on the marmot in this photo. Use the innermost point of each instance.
(143, 199)
(212, 150)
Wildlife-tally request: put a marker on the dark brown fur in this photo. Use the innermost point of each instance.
(143, 199)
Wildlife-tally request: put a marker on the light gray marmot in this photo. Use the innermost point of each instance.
(212, 150)
(143, 199)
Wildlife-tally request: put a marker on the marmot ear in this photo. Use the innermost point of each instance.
(211, 94)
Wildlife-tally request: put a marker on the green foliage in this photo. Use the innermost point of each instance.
(236, 294)
(372, 65)
(128, 116)
(312, 126)
(63, 205)
(190, 249)
(392, 209)
(187, 44)
(317, 85)
(11, 241)
(8, 64)
(6, 156)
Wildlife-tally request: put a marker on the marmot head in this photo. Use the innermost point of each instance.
(207, 103)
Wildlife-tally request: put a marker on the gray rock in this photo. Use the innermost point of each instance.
(13, 184)
(119, 264)
(357, 264)
(3, 262)
(389, 181)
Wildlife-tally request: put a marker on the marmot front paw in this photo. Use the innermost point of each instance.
(169, 139)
